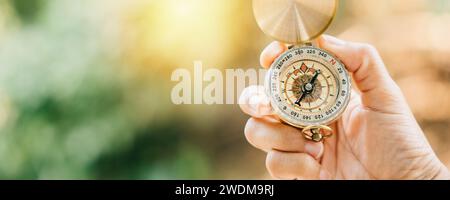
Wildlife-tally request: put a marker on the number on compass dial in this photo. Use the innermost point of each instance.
(309, 87)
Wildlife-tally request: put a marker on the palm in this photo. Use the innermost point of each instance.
(364, 145)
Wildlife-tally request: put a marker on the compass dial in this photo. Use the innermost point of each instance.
(308, 86)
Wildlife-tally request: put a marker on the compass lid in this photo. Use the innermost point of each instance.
(294, 21)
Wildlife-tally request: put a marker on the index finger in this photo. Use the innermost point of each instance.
(271, 52)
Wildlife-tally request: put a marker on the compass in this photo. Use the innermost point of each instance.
(309, 88)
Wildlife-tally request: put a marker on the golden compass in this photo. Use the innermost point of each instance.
(309, 88)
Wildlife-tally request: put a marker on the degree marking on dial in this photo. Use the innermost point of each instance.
(292, 88)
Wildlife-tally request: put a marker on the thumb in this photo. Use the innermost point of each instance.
(378, 90)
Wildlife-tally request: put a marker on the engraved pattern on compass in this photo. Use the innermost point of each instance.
(308, 86)
(305, 94)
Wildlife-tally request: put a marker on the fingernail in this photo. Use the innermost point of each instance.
(254, 100)
(313, 149)
(260, 105)
(247, 94)
(276, 48)
(264, 107)
(333, 40)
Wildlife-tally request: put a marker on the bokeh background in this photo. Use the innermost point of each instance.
(85, 85)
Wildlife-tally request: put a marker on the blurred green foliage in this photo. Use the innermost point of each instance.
(28, 10)
(67, 110)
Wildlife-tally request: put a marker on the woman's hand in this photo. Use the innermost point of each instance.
(376, 138)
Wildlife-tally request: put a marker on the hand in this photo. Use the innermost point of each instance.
(376, 138)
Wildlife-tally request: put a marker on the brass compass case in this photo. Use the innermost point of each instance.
(309, 88)
(294, 21)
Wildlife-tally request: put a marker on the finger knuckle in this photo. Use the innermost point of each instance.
(368, 47)
(392, 94)
(368, 50)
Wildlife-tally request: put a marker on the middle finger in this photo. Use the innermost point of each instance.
(267, 136)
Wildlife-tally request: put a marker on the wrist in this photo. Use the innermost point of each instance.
(443, 173)
(434, 169)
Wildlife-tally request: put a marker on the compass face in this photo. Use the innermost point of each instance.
(308, 86)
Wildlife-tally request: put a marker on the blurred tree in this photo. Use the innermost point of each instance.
(27, 10)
